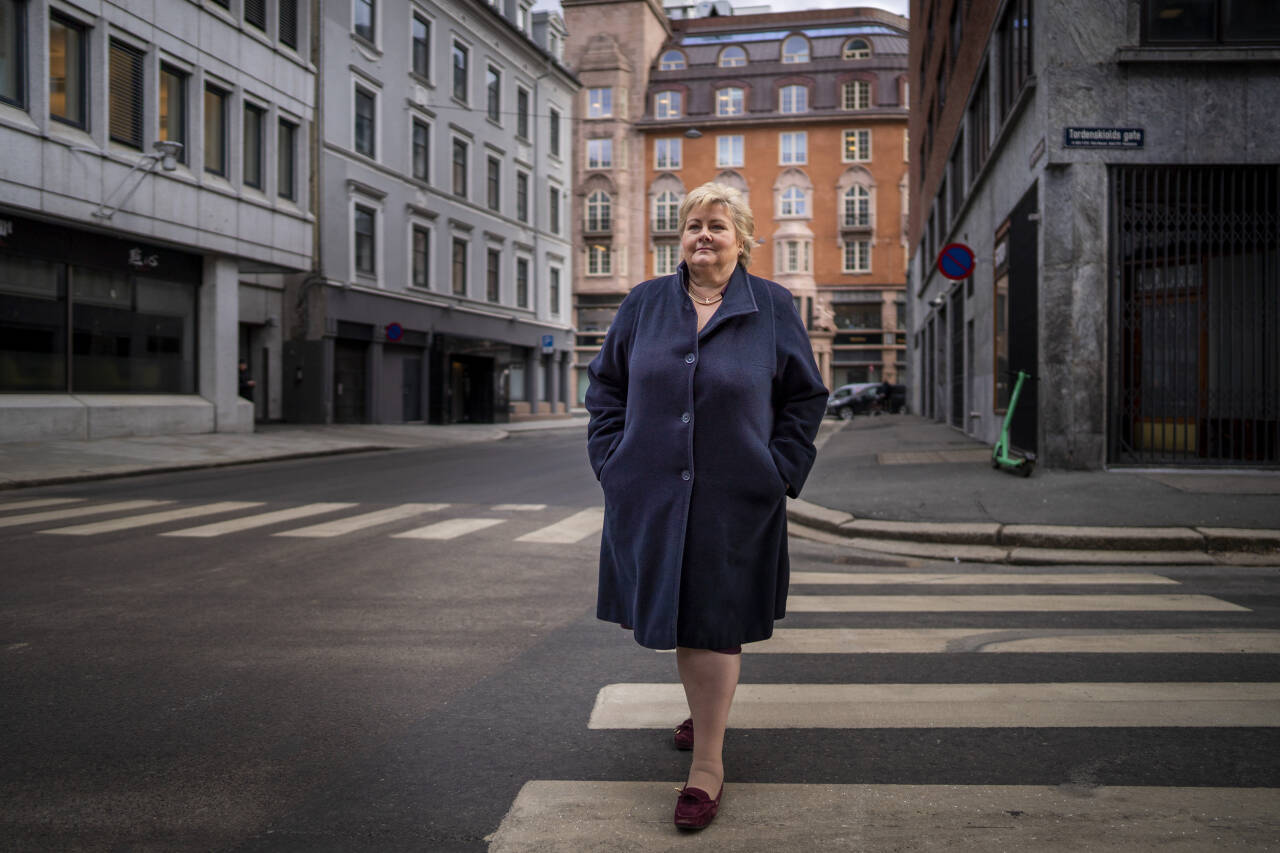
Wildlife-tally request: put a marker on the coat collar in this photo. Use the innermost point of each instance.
(739, 298)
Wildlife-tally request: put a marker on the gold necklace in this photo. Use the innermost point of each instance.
(707, 300)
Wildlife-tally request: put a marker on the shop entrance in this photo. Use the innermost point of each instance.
(470, 389)
(349, 387)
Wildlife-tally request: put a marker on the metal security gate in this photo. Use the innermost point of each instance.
(1195, 310)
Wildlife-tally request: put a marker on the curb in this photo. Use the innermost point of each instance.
(1034, 544)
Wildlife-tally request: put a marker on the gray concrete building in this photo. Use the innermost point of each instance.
(441, 290)
(153, 205)
(1113, 169)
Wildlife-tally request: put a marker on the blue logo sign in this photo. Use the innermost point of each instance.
(394, 332)
(548, 343)
(955, 261)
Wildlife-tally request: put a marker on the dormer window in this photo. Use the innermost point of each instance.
(857, 49)
(672, 60)
(795, 49)
(733, 57)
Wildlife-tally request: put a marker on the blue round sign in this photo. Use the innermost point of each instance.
(955, 261)
(394, 332)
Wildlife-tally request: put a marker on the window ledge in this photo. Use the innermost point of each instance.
(1196, 53)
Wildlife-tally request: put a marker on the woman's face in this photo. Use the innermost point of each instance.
(709, 242)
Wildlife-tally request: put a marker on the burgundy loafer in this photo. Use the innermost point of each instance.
(684, 735)
(695, 809)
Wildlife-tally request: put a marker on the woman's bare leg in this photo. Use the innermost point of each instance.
(709, 679)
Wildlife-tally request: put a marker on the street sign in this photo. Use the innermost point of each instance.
(548, 343)
(394, 331)
(955, 261)
(1103, 137)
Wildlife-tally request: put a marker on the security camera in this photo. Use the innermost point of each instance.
(168, 151)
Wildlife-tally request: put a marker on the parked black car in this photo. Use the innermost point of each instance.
(866, 398)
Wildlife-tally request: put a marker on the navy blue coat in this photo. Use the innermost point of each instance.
(696, 438)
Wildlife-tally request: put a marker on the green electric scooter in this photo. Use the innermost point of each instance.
(1000, 457)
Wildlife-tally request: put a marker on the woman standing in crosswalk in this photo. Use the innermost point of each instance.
(704, 403)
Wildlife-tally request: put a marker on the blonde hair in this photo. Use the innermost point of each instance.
(744, 224)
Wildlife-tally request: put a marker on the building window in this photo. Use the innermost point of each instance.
(955, 176)
(365, 241)
(522, 18)
(173, 109)
(1208, 21)
(460, 59)
(494, 184)
(599, 103)
(856, 49)
(421, 256)
(733, 57)
(857, 207)
(793, 148)
(599, 153)
(421, 150)
(459, 267)
(522, 196)
(124, 94)
(672, 60)
(859, 315)
(492, 281)
(421, 46)
(364, 18)
(599, 260)
(979, 127)
(553, 210)
(857, 256)
(553, 290)
(366, 112)
(255, 119)
(857, 146)
(667, 105)
(522, 282)
(68, 71)
(255, 13)
(795, 49)
(793, 99)
(215, 130)
(599, 211)
(856, 95)
(667, 153)
(554, 131)
(666, 212)
(793, 256)
(666, 256)
(1014, 34)
(286, 159)
(13, 59)
(729, 101)
(459, 168)
(522, 113)
(793, 202)
(729, 151)
(287, 25)
(493, 93)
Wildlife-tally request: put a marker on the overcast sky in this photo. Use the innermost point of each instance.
(898, 7)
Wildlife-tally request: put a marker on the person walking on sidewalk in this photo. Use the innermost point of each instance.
(704, 403)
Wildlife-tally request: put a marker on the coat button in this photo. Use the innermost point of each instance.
(684, 475)
(688, 359)
(684, 418)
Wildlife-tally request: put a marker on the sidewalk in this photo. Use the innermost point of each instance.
(898, 484)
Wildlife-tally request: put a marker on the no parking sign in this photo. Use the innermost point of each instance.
(955, 261)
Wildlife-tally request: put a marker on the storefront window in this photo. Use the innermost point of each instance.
(33, 325)
(1001, 303)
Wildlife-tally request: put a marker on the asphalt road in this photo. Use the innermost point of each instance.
(364, 691)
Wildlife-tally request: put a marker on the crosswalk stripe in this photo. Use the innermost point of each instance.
(575, 528)
(635, 817)
(359, 522)
(9, 506)
(150, 518)
(978, 579)
(450, 529)
(896, 706)
(75, 512)
(519, 507)
(1035, 640)
(262, 520)
(1004, 603)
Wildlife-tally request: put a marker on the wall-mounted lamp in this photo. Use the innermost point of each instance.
(937, 302)
(693, 133)
(165, 154)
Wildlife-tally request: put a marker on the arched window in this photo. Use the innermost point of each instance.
(733, 57)
(857, 207)
(666, 211)
(857, 49)
(794, 202)
(599, 211)
(672, 60)
(729, 101)
(667, 105)
(793, 99)
(795, 49)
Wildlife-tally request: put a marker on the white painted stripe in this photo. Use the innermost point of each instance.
(75, 512)
(9, 506)
(151, 518)
(575, 528)
(519, 507)
(252, 521)
(984, 579)
(910, 706)
(451, 529)
(569, 816)
(840, 641)
(1003, 603)
(353, 523)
